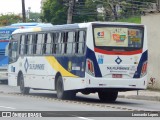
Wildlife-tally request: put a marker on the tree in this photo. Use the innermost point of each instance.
(105, 8)
(54, 11)
(84, 11)
(9, 19)
(34, 17)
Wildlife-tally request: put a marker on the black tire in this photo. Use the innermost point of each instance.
(23, 89)
(109, 96)
(61, 94)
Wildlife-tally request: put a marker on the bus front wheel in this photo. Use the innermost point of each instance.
(109, 96)
(23, 89)
(61, 94)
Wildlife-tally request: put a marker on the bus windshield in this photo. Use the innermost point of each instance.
(5, 36)
(118, 37)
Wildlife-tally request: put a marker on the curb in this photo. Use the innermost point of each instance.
(1, 92)
(140, 97)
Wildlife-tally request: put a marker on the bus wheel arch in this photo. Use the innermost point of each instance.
(56, 79)
(20, 82)
(59, 87)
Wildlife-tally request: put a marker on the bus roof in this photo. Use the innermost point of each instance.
(24, 24)
(50, 27)
(30, 24)
(8, 28)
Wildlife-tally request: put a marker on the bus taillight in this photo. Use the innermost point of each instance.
(144, 69)
(90, 67)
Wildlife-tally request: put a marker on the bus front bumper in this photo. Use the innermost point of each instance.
(3, 75)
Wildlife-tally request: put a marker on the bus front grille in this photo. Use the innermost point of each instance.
(2, 52)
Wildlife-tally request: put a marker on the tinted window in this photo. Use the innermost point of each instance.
(47, 44)
(39, 39)
(22, 45)
(70, 40)
(30, 44)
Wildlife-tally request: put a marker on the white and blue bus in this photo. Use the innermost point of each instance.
(103, 57)
(5, 36)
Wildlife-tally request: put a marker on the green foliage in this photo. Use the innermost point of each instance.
(9, 19)
(34, 17)
(54, 11)
(130, 20)
(154, 1)
(85, 12)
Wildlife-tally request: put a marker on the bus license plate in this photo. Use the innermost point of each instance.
(116, 75)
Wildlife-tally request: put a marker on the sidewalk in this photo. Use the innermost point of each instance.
(141, 95)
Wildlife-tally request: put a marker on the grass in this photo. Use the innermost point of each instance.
(130, 20)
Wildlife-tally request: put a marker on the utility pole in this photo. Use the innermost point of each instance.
(23, 11)
(158, 5)
(70, 11)
(132, 7)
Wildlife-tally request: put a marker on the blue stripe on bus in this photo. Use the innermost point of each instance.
(75, 65)
(91, 55)
(3, 61)
(3, 45)
(78, 63)
(143, 59)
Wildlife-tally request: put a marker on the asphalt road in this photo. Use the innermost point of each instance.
(12, 100)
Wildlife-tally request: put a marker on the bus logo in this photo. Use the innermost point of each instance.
(118, 60)
(100, 34)
(26, 65)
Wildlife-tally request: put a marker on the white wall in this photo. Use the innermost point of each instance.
(152, 21)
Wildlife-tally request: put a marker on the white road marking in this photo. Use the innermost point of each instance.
(84, 118)
(7, 107)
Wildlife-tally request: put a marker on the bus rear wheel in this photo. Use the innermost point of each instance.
(108, 96)
(23, 89)
(61, 94)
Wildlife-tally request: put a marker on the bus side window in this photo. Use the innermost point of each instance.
(63, 42)
(13, 52)
(22, 45)
(39, 40)
(48, 43)
(70, 40)
(75, 45)
(58, 43)
(81, 42)
(54, 43)
(44, 43)
(30, 45)
(35, 43)
(26, 44)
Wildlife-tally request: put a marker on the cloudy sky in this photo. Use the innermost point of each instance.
(15, 6)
